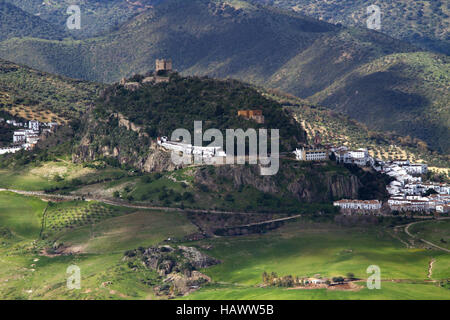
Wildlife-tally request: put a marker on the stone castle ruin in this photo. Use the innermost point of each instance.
(163, 65)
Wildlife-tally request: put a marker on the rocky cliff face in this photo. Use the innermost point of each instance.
(156, 160)
(307, 182)
(119, 139)
(326, 187)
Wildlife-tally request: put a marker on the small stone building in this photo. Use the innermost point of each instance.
(255, 115)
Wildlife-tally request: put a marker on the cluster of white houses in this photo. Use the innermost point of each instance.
(191, 150)
(342, 154)
(361, 206)
(406, 191)
(28, 137)
(415, 203)
(402, 170)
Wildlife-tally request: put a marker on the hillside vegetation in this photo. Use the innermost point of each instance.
(404, 93)
(338, 129)
(235, 39)
(98, 16)
(18, 23)
(32, 94)
(164, 107)
(125, 124)
(424, 23)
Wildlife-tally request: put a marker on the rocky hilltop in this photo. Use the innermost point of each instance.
(123, 126)
(177, 265)
(125, 123)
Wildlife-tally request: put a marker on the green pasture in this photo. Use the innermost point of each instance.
(333, 251)
(56, 175)
(437, 232)
(140, 228)
(388, 291)
(27, 274)
(300, 248)
(21, 215)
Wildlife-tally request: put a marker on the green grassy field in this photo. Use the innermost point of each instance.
(301, 248)
(26, 274)
(325, 251)
(61, 175)
(388, 291)
(141, 228)
(21, 216)
(436, 232)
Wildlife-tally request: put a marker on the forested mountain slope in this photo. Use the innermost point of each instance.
(422, 22)
(383, 82)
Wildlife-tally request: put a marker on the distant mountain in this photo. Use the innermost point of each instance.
(268, 47)
(406, 93)
(424, 23)
(97, 16)
(337, 129)
(14, 22)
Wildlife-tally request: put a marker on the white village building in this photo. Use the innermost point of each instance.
(311, 155)
(358, 205)
(20, 136)
(25, 136)
(416, 169)
(33, 125)
(189, 149)
(359, 157)
(9, 150)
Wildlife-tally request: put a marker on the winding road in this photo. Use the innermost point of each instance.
(116, 203)
(148, 207)
(423, 240)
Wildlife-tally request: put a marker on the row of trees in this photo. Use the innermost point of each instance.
(272, 279)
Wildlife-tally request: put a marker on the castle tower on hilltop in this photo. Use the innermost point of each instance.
(163, 65)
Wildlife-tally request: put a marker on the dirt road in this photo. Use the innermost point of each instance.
(423, 240)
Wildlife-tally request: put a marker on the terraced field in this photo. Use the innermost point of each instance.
(27, 273)
(70, 215)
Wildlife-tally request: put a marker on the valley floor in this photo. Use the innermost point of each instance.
(35, 268)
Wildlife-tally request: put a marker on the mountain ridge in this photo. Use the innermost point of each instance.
(16, 22)
(225, 39)
(423, 23)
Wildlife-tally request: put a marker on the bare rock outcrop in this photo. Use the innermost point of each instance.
(177, 265)
(311, 184)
